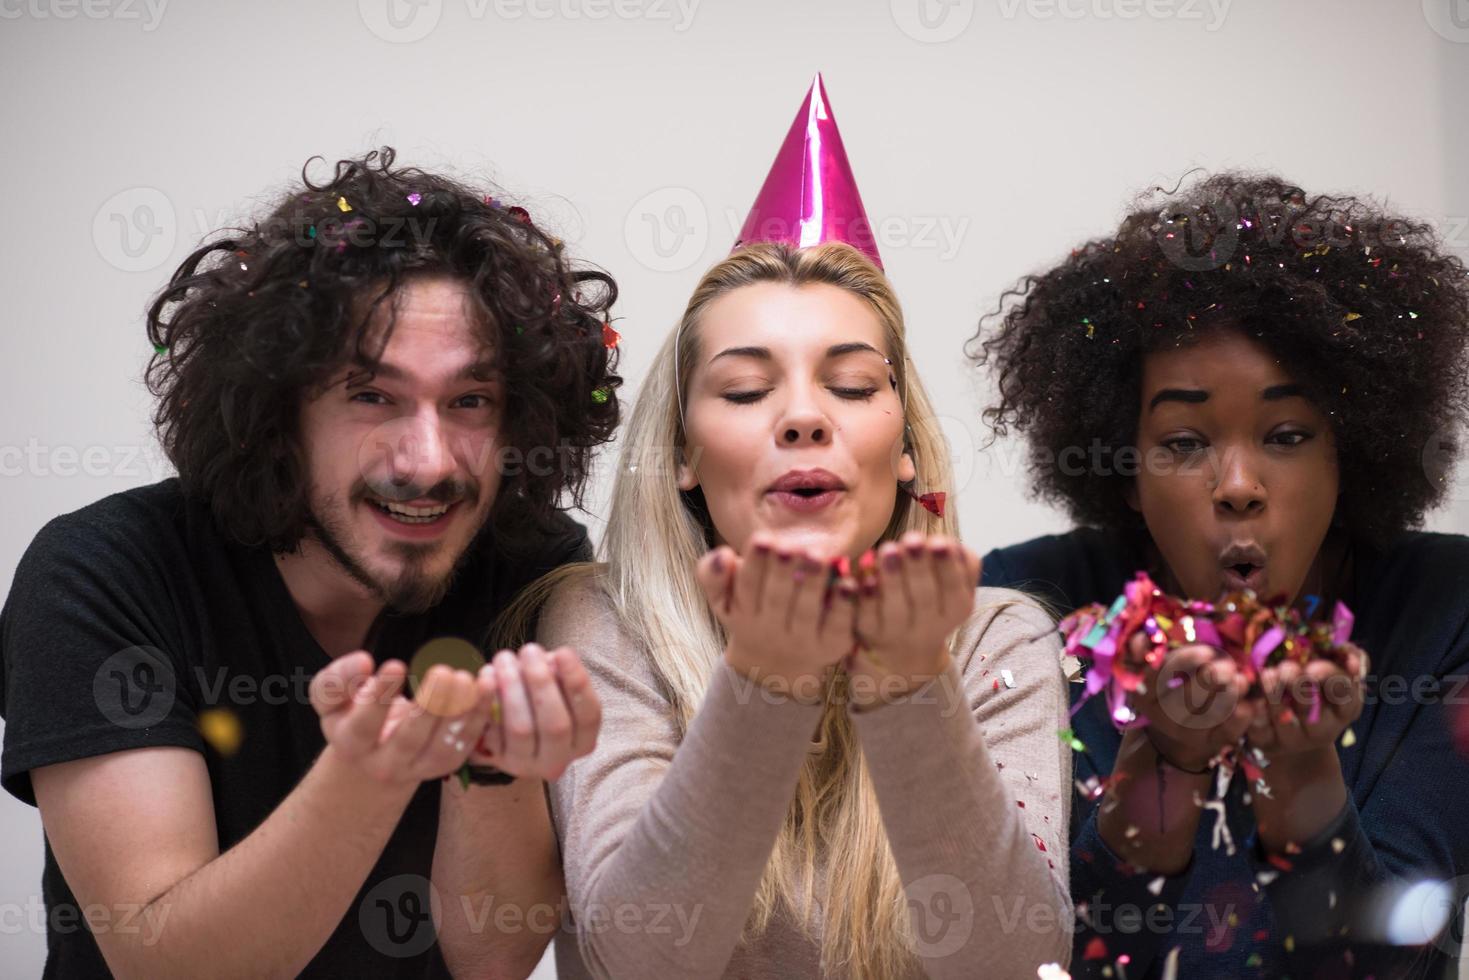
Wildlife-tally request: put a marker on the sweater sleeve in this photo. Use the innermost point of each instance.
(974, 788)
(651, 821)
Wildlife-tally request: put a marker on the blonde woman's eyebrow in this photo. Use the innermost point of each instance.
(763, 353)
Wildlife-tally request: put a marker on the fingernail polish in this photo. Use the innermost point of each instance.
(892, 561)
(718, 562)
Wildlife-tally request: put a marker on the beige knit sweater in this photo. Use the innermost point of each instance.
(664, 841)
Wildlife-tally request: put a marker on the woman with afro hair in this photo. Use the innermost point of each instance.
(1247, 386)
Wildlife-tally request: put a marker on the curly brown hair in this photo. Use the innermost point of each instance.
(252, 320)
(1366, 309)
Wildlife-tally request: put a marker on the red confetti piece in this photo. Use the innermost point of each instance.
(1095, 950)
(519, 214)
(610, 337)
(931, 502)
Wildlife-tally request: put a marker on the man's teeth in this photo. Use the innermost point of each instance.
(411, 515)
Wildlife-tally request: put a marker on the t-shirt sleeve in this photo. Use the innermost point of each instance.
(92, 651)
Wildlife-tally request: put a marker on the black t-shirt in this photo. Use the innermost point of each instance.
(130, 617)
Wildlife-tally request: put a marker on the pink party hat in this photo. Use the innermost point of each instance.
(810, 195)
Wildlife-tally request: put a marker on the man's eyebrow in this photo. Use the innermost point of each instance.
(477, 371)
(1277, 392)
(1189, 396)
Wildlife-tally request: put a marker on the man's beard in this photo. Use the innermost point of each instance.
(414, 589)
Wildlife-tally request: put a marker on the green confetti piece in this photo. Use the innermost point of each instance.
(464, 776)
(160, 349)
(1069, 737)
(600, 396)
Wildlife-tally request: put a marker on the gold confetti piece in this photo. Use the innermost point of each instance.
(1338, 845)
(1352, 316)
(1348, 739)
(342, 205)
(1290, 944)
(222, 730)
(451, 652)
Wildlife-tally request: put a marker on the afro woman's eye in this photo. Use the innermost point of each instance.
(359, 396)
(1184, 445)
(1290, 437)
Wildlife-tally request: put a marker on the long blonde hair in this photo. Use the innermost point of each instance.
(653, 540)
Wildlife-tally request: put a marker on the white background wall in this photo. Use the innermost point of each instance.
(988, 136)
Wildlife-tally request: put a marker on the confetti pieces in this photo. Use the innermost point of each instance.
(601, 395)
(221, 728)
(1348, 738)
(610, 337)
(1253, 633)
(342, 205)
(1008, 677)
(415, 198)
(448, 651)
(931, 502)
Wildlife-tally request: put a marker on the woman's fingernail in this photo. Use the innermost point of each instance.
(718, 562)
(892, 561)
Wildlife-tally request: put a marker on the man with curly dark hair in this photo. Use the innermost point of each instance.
(1247, 386)
(376, 397)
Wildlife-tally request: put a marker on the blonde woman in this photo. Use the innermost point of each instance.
(763, 801)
